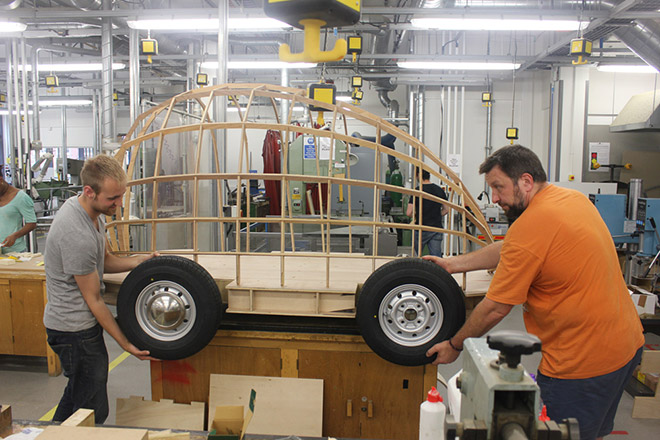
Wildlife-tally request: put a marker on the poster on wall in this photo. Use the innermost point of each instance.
(454, 163)
(599, 152)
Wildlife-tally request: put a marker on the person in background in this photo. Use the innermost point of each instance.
(76, 315)
(432, 213)
(17, 218)
(559, 262)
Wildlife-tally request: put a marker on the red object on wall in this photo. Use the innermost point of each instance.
(313, 187)
(272, 165)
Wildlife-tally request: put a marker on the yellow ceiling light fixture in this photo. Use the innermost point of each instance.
(357, 96)
(323, 92)
(487, 99)
(355, 46)
(149, 47)
(581, 47)
(312, 15)
(202, 79)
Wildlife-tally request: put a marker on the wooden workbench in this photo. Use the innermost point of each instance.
(364, 396)
(22, 301)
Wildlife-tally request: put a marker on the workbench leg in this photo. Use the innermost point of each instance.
(430, 378)
(156, 380)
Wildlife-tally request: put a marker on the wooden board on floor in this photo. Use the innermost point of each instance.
(284, 406)
(648, 407)
(87, 433)
(5, 417)
(82, 417)
(135, 411)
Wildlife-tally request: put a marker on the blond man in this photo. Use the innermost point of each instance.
(76, 315)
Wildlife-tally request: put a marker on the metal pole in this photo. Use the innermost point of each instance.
(223, 57)
(284, 104)
(489, 133)
(19, 126)
(106, 61)
(95, 123)
(411, 130)
(134, 74)
(65, 165)
(26, 120)
(11, 107)
(36, 127)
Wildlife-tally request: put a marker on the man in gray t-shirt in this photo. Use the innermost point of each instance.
(76, 315)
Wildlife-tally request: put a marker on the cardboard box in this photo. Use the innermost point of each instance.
(228, 421)
(645, 301)
(648, 379)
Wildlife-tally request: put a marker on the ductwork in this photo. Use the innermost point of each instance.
(643, 37)
(85, 5)
(641, 113)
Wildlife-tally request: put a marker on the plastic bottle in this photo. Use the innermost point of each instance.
(432, 415)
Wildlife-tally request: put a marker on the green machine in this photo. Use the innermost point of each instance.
(302, 160)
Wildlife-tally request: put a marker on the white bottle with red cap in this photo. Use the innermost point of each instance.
(432, 415)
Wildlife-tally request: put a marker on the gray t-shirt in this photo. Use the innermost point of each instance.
(73, 247)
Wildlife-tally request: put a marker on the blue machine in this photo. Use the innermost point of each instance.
(648, 216)
(612, 208)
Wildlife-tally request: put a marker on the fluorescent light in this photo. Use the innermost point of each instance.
(202, 24)
(73, 67)
(490, 24)
(258, 65)
(64, 102)
(12, 26)
(624, 68)
(456, 65)
(344, 98)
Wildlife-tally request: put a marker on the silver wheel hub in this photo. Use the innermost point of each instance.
(410, 315)
(165, 310)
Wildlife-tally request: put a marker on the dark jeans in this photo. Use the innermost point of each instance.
(592, 401)
(84, 359)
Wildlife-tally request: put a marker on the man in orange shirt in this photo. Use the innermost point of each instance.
(559, 261)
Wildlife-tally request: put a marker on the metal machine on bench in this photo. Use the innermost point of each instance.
(499, 399)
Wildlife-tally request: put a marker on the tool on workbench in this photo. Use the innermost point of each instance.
(499, 399)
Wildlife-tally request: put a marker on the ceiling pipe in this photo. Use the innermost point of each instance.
(84, 5)
(643, 37)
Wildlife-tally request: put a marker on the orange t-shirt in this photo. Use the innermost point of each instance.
(558, 260)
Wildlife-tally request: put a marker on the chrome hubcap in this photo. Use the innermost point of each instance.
(410, 315)
(165, 310)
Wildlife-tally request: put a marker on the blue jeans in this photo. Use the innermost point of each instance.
(430, 238)
(84, 359)
(593, 401)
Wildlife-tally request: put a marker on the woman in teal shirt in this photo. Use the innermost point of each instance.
(16, 208)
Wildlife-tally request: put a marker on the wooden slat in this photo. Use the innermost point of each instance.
(648, 407)
(135, 411)
(87, 433)
(82, 417)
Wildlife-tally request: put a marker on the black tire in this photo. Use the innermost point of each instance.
(407, 306)
(189, 295)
